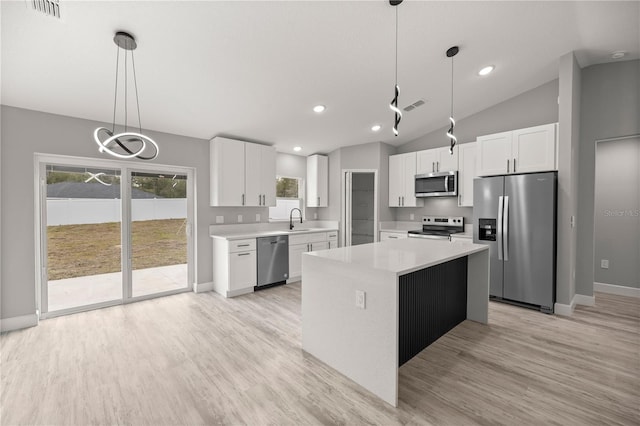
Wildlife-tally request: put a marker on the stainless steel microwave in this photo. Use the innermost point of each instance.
(438, 184)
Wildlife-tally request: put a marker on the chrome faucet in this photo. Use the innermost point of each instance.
(291, 217)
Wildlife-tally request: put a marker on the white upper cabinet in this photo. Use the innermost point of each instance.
(402, 178)
(437, 160)
(520, 151)
(260, 175)
(494, 152)
(242, 173)
(534, 149)
(317, 181)
(227, 172)
(467, 156)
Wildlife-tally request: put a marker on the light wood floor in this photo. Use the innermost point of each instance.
(202, 359)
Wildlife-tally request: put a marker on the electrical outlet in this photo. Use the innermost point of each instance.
(411, 216)
(604, 264)
(219, 219)
(315, 215)
(360, 299)
(257, 217)
(239, 218)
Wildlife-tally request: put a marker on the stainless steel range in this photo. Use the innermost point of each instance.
(438, 228)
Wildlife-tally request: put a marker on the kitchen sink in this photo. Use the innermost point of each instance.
(299, 229)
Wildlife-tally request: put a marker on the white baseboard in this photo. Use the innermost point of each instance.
(584, 300)
(620, 290)
(202, 287)
(234, 293)
(16, 323)
(564, 310)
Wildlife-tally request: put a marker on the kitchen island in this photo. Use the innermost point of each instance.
(367, 309)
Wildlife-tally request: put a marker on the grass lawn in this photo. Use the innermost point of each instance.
(81, 250)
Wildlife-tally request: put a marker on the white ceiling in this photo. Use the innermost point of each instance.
(254, 70)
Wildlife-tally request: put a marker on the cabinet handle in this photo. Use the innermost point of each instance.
(403, 200)
(437, 166)
(433, 166)
(243, 245)
(259, 199)
(318, 201)
(514, 165)
(392, 237)
(244, 254)
(243, 199)
(507, 165)
(264, 200)
(398, 201)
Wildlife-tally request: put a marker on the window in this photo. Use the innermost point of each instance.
(289, 195)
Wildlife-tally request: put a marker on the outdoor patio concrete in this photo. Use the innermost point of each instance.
(73, 292)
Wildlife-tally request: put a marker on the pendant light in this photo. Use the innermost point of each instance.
(394, 102)
(128, 144)
(451, 52)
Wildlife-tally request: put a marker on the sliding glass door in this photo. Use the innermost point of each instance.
(110, 233)
(83, 237)
(158, 232)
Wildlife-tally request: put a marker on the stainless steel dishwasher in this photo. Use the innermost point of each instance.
(273, 260)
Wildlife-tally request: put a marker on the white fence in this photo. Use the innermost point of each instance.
(75, 211)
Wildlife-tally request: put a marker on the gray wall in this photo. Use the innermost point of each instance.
(537, 106)
(26, 132)
(373, 156)
(610, 107)
(568, 143)
(617, 207)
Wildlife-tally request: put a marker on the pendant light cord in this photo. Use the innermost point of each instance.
(135, 83)
(115, 95)
(125, 91)
(396, 45)
(452, 86)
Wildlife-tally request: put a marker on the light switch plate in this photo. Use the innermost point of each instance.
(411, 216)
(360, 299)
(239, 218)
(257, 217)
(219, 219)
(604, 263)
(315, 215)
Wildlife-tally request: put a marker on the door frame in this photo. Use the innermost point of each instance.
(345, 197)
(40, 221)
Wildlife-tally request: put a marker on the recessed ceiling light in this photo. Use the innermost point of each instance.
(618, 54)
(297, 148)
(319, 108)
(486, 70)
(376, 127)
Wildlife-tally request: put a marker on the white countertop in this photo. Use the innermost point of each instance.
(400, 256)
(239, 235)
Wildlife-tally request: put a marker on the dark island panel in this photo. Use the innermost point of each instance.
(432, 302)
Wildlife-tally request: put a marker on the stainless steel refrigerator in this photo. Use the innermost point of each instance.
(515, 215)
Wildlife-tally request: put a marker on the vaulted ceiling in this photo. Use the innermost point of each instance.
(254, 70)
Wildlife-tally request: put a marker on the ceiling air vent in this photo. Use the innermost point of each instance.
(48, 7)
(414, 105)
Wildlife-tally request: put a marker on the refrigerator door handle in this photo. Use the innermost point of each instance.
(505, 244)
(499, 236)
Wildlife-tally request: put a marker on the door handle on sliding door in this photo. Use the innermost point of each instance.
(499, 236)
(505, 244)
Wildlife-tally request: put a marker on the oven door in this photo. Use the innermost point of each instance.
(440, 184)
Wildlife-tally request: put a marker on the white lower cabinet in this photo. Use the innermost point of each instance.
(235, 270)
(392, 235)
(303, 243)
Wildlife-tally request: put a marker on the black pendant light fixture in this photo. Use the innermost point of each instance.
(128, 144)
(451, 52)
(394, 102)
